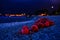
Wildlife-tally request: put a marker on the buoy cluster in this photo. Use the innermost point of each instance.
(40, 23)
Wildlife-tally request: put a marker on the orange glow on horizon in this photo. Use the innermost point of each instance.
(15, 14)
(43, 14)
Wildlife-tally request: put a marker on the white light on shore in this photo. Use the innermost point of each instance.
(52, 6)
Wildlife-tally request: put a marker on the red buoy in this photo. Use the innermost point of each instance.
(25, 30)
(34, 28)
(47, 23)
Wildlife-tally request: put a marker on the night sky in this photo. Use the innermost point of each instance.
(26, 6)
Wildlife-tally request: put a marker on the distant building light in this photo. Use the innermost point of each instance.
(12, 15)
(42, 14)
(52, 6)
(6, 14)
(19, 15)
(22, 14)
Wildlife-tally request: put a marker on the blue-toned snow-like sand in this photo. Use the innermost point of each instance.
(8, 31)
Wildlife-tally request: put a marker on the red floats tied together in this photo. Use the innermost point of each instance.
(34, 28)
(44, 22)
(25, 30)
(41, 23)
